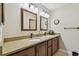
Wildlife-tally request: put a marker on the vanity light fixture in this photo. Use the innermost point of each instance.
(32, 6)
(42, 13)
(45, 14)
(26, 4)
(36, 8)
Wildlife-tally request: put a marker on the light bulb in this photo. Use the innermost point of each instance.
(36, 9)
(32, 6)
(26, 4)
(46, 14)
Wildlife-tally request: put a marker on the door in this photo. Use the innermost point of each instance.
(49, 51)
(55, 45)
(42, 49)
(49, 47)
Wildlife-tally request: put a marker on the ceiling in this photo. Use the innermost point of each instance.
(53, 6)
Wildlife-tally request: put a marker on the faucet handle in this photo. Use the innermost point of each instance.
(31, 35)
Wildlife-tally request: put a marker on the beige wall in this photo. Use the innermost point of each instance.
(69, 17)
(12, 27)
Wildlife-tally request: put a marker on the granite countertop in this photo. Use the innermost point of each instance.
(14, 46)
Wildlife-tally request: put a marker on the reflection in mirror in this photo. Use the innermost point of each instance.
(32, 24)
(43, 23)
(28, 20)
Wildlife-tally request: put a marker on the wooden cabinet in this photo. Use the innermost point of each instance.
(55, 45)
(49, 43)
(41, 49)
(27, 52)
(49, 51)
(47, 48)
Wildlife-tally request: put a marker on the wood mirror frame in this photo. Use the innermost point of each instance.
(46, 23)
(29, 25)
(2, 13)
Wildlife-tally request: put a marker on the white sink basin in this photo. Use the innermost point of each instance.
(35, 39)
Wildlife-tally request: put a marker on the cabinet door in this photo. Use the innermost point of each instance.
(55, 44)
(49, 51)
(49, 43)
(42, 49)
(27, 52)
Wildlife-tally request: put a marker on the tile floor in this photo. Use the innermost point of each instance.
(60, 53)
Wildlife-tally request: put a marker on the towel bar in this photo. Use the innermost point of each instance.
(71, 27)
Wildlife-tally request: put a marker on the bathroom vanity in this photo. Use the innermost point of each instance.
(46, 45)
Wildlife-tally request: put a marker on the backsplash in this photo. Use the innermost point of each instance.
(22, 37)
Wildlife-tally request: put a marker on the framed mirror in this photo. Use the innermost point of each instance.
(1, 13)
(28, 20)
(43, 23)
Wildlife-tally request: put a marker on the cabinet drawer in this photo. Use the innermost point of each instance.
(49, 43)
